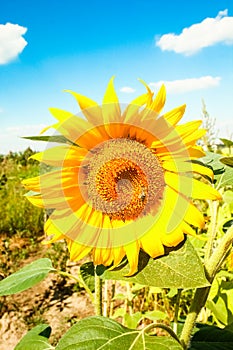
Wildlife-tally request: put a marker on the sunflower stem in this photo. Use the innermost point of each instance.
(129, 298)
(113, 291)
(79, 280)
(198, 302)
(211, 267)
(98, 295)
(176, 313)
(220, 253)
(164, 327)
(106, 299)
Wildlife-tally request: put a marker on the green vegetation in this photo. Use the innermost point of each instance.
(17, 215)
(142, 303)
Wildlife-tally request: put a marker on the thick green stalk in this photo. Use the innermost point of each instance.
(106, 299)
(79, 280)
(98, 296)
(148, 328)
(113, 290)
(176, 313)
(201, 294)
(198, 302)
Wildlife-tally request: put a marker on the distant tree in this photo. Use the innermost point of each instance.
(21, 157)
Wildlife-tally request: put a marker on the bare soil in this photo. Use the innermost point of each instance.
(55, 301)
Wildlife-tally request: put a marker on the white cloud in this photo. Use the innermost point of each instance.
(11, 41)
(186, 85)
(11, 138)
(127, 89)
(209, 32)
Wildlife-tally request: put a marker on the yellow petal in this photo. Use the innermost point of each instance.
(77, 251)
(188, 128)
(150, 93)
(172, 239)
(49, 202)
(102, 256)
(111, 111)
(118, 255)
(159, 101)
(179, 166)
(151, 243)
(192, 138)
(60, 114)
(196, 152)
(79, 131)
(36, 200)
(132, 252)
(59, 189)
(190, 231)
(131, 113)
(67, 156)
(175, 210)
(175, 115)
(191, 187)
(203, 170)
(90, 108)
(52, 230)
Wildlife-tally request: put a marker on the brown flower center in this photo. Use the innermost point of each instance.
(122, 178)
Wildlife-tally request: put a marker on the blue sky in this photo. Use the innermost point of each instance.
(48, 46)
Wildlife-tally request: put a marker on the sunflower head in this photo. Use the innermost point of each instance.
(124, 180)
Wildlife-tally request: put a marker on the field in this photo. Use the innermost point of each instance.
(60, 301)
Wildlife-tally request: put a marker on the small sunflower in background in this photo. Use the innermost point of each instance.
(124, 181)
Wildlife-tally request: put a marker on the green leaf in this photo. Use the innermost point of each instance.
(212, 338)
(26, 277)
(227, 224)
(87, 272)
(155, 315)
(229, 327)
(42, 329)
(172, 292)
(218, 309)
(214, 289)
(227, 161)
(53, 138)
(223, 175)
(95, 333)
(36, 339)
(228, 197)
(120, 312)
(119, 296)
(181, 268)
(131, 321)
(227, 143)
(35, 342)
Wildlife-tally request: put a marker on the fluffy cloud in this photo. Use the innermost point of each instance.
(127, 90)
(11, 41)
(209, 32)
(186, 85)
(11, 138)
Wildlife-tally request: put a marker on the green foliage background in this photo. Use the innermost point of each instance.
(150, 296)
(17, 215)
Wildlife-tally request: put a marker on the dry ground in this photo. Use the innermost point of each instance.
(55, 301)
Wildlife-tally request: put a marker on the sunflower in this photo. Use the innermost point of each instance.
(124, 180)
